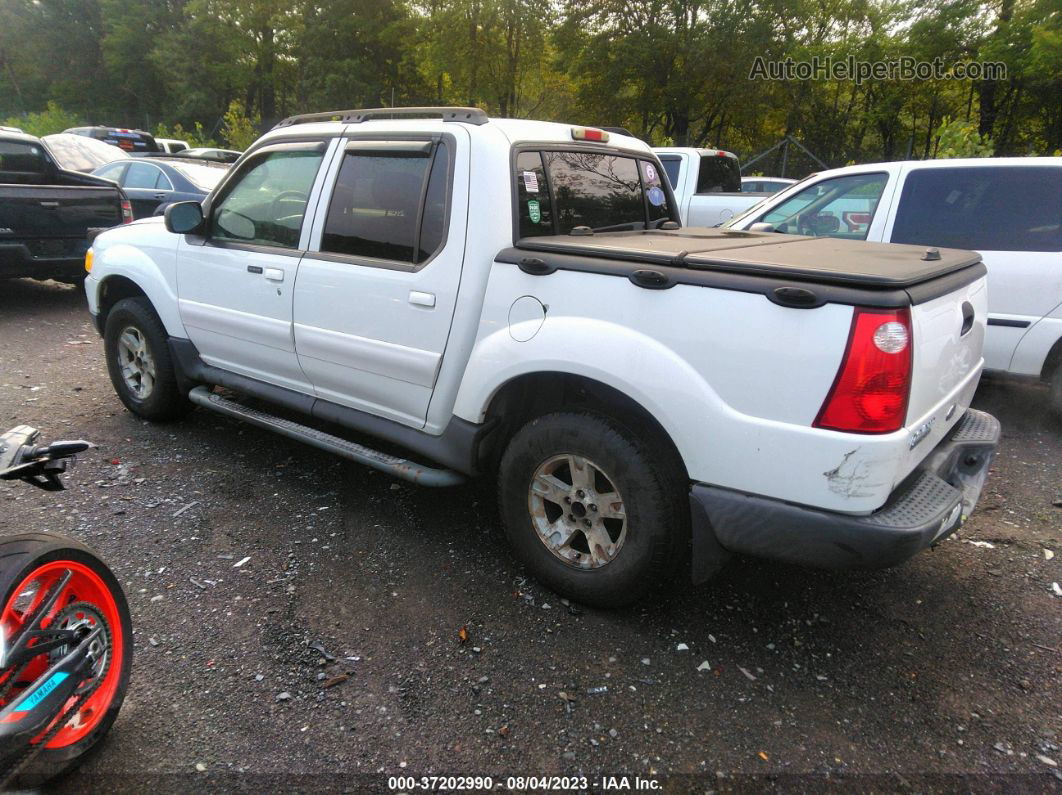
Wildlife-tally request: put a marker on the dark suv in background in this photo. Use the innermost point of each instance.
(132, 141)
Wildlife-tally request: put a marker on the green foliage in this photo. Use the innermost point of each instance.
(237, 128)
(196, 137)
(957, 138)
(52, 119)
(672, 71)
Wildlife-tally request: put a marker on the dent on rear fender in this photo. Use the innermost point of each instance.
(855, 477)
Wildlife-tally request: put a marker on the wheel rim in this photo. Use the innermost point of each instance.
(136, 362)
(86, 598)
(577, 511)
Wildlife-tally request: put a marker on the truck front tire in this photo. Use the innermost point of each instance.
(139, 362)
(595, 511)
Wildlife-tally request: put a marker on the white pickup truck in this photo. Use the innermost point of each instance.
(1008, 209)
(707, 185)
(516, 299)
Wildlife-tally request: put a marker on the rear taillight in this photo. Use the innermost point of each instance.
(127, 212)
(870, 392)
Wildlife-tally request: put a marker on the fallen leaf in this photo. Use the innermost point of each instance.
(462, 635)
(762, 756)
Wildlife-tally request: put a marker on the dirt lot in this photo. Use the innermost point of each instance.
(940, 674)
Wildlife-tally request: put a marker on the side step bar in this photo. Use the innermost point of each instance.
(392, 465)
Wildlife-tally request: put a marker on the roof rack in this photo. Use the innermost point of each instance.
(466, 115)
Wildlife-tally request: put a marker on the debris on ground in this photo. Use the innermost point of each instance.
(1048, 554)
(704, 666)
(240, 562)
(335, 680)
(985, 544)
(682, 647)
(1056, 589)
(462, 635)
(285, 696)
(597, 691)
(179, 511)
(748, 674)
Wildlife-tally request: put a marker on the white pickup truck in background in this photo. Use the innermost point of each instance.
(707, 184)
(516, 299)
(1007, 209)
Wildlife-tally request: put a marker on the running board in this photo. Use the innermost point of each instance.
(392, 465)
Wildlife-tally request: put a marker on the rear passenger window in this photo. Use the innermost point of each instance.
(141, 175)
(389, 201)
(988, 208)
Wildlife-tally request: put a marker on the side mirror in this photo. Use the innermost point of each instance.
(761, 227)
(184, 218)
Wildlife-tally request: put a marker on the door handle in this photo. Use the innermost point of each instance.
(417, 298)
(160, 196)
(274, 274)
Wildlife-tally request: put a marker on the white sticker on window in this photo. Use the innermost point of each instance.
(531, 182)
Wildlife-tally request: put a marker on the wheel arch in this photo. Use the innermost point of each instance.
(1053, 360)
(533, 394)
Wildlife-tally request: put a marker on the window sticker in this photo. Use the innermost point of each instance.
(656, 196)
(534, 211)
(650, 173)
(531, 182)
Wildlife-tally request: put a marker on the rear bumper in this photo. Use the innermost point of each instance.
(18, 261)
(931, 503)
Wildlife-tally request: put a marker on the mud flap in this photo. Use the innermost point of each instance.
(707, 556)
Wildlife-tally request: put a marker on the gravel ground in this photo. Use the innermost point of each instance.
(331, 658)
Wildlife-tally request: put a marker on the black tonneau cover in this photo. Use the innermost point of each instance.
(823, 260)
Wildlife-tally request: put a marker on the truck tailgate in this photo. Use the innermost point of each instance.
(34, 212)
(949, 334)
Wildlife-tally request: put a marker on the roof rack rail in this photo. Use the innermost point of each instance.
(466, 115)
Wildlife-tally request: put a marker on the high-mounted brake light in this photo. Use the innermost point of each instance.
(589, 134)
(873, 383)
(127, 212)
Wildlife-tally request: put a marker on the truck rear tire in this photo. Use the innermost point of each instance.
(595, 511)
(139, 362)
(1055, 386)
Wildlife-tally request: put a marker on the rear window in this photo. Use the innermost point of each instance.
(203, 177)
(20, 157)
(987, 208)
(558, 191)
(719, 174)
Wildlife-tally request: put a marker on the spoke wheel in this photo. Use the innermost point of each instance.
(577, 511)
(136, 362)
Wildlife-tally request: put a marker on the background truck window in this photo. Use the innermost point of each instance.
(17, 157)
(671, 164)
(987, 208)
(267, 203)
(840, 207)
(718, 175)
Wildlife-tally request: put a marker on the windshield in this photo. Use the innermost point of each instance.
(203, 176)
(78, 153)
(558, 191)
(22, 157)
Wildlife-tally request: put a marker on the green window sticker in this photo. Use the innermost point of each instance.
(534, 211)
